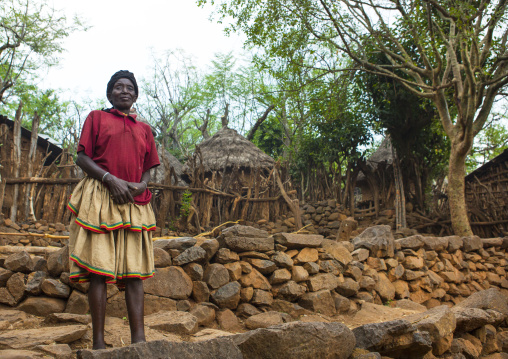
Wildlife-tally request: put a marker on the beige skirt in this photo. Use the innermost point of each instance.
(106, 238)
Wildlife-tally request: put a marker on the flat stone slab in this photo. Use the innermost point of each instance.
(297, 241)
(218, 348)
(173, 322)
(28, 338)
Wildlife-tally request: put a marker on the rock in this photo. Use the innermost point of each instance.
(409, 305)
(58, 262)
(401, 289)
(319, 302)
(154, 304)
(394, 339)
(413, 242)
(228, 321)
(360, 254)
(180, 244)
(298, 241)
(19, 262)
(454, 243)
(337, 251)
(161, 258)
(464, 347)
(262, 298)
(174, 322)
(183, 305)
(385, 288)
(227, 296)
(469, 319)
(291, 290)
(378, 240)
(216, 275)
(77, 303)
(256, 280)
(28, 338)
(200, 291)
(307, 255)
(193, 254)
(322, 281)
(246, 310)
(473, 243)
(5, 274)
(58, 351)
(34, 282)
(491, 298)
(234, 270)
(225, 255)
(347, 226)
(281, 259)
(264, 320)
(218, 348)
(413, 263)
(262, 265)
(297, 340)
(68, 318)
(16, 286)
(437, 244)
(194, 271)
(6, 297)
(42, 306)
(311, 267)
(204, 314)
(348, 288)
(246, 294)
(55, 288)
(368, 283)
(280, 276)
(20, 354)
(440, 323)
(299, 274)
(211, 246)
(171, 282)
(240, 238)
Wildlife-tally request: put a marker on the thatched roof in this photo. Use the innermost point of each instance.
(383, 153)
(227, 149)
(160, 171)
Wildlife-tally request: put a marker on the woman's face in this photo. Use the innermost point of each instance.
(123, 95)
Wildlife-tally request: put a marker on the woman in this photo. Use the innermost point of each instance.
(110, 233)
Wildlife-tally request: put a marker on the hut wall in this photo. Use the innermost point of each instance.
(487, 198)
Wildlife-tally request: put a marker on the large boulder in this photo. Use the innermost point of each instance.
(491, 298)
(58, 262)
(227, 296)
(218, 348)
(378, 240)
(394, 339)
(297, 340)
(240, 238)
(19, 262)
(440, 323)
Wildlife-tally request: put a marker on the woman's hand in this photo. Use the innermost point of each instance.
(120, 190)
(136, 188)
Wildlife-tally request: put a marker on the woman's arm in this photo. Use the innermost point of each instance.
(120, 189)
(138, 188)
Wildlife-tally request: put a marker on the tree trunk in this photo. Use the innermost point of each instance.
(456, 192)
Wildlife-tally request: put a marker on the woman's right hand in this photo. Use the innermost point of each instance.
(119, 189)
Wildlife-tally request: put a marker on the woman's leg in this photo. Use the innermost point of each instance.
(97, 301)
(134, 298)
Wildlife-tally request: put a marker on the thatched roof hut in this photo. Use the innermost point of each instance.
(227, 149)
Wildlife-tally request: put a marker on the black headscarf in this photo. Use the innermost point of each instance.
(122, 74)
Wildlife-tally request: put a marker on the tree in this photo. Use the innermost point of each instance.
(461, 63)
(31, 35)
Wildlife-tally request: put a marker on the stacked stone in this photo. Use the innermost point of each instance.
(38, 227)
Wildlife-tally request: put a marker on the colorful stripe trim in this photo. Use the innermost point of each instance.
(81, 277)
(104, 227)
(71, 208)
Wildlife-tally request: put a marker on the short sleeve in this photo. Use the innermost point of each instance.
(88, 136)
(151, 156)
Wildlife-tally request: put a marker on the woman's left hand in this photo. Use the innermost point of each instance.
(136, 188)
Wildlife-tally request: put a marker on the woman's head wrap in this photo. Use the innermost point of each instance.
(122, 74)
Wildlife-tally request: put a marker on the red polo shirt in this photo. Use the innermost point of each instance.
(120, 145)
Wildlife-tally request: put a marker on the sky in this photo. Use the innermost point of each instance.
(122, 36)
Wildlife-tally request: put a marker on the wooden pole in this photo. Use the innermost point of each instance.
(29, 208)
(16, 157)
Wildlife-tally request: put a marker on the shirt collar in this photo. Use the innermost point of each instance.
(132, 116)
